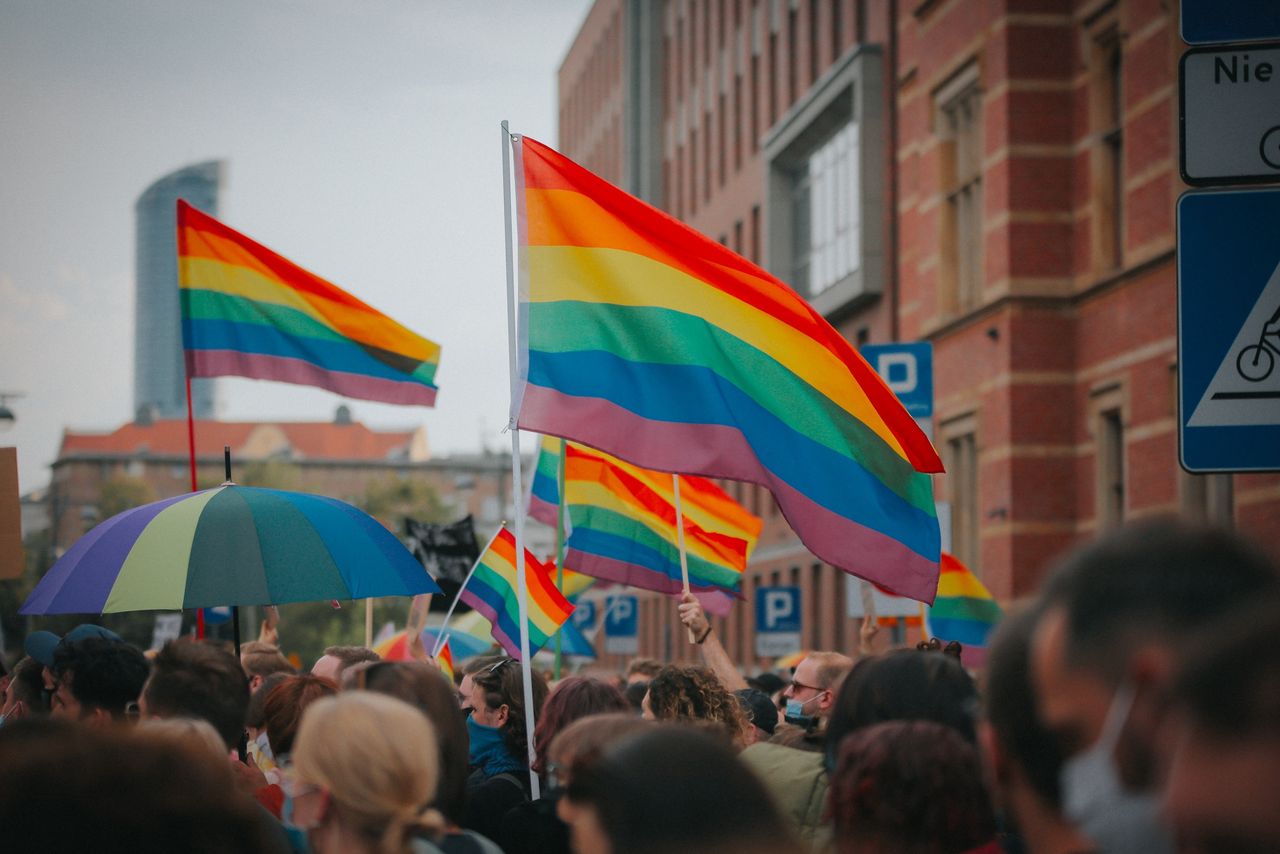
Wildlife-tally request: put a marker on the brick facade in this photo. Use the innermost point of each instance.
(1061, 365)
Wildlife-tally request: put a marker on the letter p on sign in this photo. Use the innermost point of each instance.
(778, 607)
(899, 371)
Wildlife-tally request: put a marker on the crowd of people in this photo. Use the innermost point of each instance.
(1131, 705)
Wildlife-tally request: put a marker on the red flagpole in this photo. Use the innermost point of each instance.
(191, 449)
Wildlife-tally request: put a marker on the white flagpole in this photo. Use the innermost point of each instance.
(522, 585)
(435, 650)
(684, 560)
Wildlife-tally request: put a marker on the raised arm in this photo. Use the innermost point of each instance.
(713, 652)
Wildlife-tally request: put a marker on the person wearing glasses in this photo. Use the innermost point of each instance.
(492, 698)
(812, 691)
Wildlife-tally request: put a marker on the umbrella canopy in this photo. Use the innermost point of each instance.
(231, 545)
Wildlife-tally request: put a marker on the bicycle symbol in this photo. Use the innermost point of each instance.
(1255, 361)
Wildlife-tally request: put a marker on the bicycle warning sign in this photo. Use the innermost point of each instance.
(1229, 330)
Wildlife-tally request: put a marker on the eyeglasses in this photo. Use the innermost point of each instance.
(797, 685)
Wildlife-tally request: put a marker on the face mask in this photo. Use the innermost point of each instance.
(1097, 802)
(795, 715)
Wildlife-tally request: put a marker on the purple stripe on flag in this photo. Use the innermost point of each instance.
(221, 363)
(491, 614)
(713, 599)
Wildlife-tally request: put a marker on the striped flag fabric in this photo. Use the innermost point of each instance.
(544, 486)
(492, 592)
(650, 341)
(624, 526)
(249, 312)
(444, 660)
(965, 610)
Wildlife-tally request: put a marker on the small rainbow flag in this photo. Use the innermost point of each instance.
(650, 341)
(444, 659)
(249, 312)
(965, 610)
(624, 526)
(491, 590)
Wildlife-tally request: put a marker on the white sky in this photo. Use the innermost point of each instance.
(362, 142)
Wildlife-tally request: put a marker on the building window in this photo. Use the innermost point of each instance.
(772, 81)
(737, 236)
(737, 122)
(755, 234)
(1106, 97)
(754, 106)
(837, 28)
(793, 55)
(813, 40)
(1109, 460)
(961, 451)
(824, 214)
(960, 128)
(722, 138)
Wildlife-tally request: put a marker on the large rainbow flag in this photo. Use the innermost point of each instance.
(652, 342)
(965, 610)
(492, 587)
(622, 522)
(249, 312)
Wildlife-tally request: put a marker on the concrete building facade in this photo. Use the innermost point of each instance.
(997, 177)
(159, 375)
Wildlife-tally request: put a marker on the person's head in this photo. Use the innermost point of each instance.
(24, 695)
(812, 690)
(669, 790)
(255, 716)
(196, 680)
(909, 787)
(634, 694)
(74, 788)
(693, 694)
(575, 697)
(428, 689)
(642, 670)
(768, 682)
(338, 658)
(97, 679)
(261, 660)
(1224, 772)
(284, 707)
(761, 713)
(904, 685)
(364, 774)
(1022, 756)
(583, 742)
(492, 696)
(194, 733)
(1106, 647)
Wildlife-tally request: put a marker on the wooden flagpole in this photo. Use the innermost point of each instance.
(522, 587)
(684, 558)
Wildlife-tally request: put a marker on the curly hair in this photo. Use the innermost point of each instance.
(695, 694)
(913, 787)
(501, 679)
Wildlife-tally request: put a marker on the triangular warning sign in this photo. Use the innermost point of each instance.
(1245, 390)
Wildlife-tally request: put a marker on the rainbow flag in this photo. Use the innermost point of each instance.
(624, 526)
(444, 659)
(249, 312)
(491, 591)
(652, 342)
(544, 486)
(965, 610)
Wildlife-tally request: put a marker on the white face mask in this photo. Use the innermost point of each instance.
(1096, 801)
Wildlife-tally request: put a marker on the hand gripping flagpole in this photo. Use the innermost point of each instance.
(522, 585)
(684, 558)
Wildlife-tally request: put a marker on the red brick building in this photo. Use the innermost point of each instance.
(997, 177)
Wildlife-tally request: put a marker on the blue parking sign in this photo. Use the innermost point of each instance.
(584, 614)
(777, 620)
(1229, 330)
(621, 625)
(907, 368)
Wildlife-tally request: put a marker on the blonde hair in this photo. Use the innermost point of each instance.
(378, 758)
(190, 732)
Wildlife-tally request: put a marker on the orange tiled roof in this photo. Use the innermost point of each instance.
(305, 439)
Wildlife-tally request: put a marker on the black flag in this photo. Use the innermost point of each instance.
(447, 551)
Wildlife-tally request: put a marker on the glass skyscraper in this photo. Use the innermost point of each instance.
(159, 388)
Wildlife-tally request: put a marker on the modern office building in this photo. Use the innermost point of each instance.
(996, 177)
(159, 379)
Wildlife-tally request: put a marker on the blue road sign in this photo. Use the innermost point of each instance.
(1219, 21)
(1229, 330)
(584, 614)
(777, 620)
(908, 369)
(621, 625)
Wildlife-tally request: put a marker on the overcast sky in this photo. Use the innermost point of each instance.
(361, 141)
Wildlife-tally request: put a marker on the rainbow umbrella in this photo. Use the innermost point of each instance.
(231, 545)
